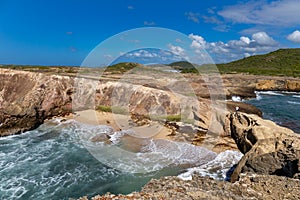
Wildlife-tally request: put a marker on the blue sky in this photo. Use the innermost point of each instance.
(64, 32)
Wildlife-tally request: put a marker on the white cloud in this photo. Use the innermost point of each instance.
(260, 42)
(275, 13)
(177, 50)
(247, 55)
(211, 19)
(147, 23)
(198, 41)
(193, 16)
(130, 7)
(262, 38)
(108, 56)
(294, 37)
(134, 41)
(242, 42)
(245, 40)
(146, 56)
(142, 53)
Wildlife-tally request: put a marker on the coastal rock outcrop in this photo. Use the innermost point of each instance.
(268, 148)
(250, 186)
(244, 85)
(279, 85)
(27, 99)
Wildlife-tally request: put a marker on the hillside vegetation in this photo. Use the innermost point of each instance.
(122, 67)
(283, 62)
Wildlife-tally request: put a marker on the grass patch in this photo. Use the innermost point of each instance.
(104, 108)
(112, 109)
(171, 118)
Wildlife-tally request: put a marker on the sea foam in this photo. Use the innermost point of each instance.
(216, 168)
(294, 102)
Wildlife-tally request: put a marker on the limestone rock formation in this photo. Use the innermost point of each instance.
(281, 85)
(244, 85)
(268, 148)
(249, 186)
(27, 98)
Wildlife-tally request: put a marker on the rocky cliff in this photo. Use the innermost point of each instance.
(268, 148)
(27, 99)
(245, 85)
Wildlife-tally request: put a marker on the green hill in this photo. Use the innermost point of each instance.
(186, 67)
(122, 67)
(181, 65)
(283, 62)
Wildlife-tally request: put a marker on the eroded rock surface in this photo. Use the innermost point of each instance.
(27, 98)
(250, 186)
(268, 148)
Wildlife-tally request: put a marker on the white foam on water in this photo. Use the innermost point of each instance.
(153, 155)
(270, 93)
(294, 102)
(13, 188)
(258, 96)
(11, 137)
(290, 93)
(296, 96)
(236, 98)
(216, 168)
(116, 137)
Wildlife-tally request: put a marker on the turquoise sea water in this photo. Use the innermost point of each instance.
(52, 162)
(280, 107)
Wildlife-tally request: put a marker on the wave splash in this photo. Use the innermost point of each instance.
(216, 168)
(136, 155)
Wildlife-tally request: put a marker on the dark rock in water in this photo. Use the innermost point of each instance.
(268, 148)
(243, 107)
(101, 138)
(229, 173)
(63, 120)
(242, 91)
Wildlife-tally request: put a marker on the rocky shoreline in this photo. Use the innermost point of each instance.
(250, 186)
(28, 98)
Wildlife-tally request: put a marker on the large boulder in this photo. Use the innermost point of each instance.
(268, 148)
